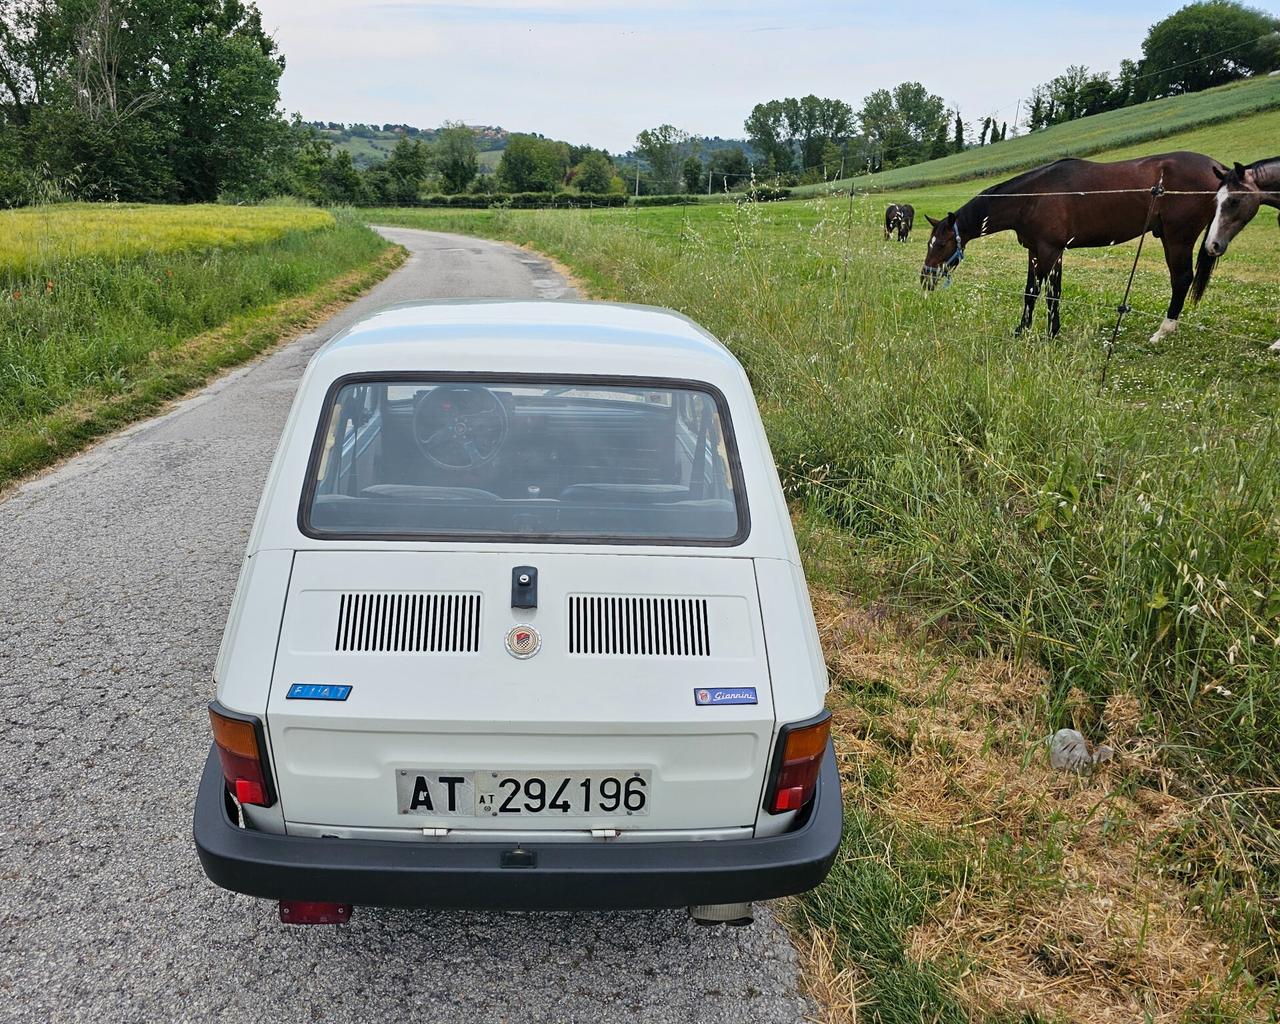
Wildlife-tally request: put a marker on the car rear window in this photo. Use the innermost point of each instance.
(570, 460)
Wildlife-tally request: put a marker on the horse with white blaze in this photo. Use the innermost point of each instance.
(1243, 192)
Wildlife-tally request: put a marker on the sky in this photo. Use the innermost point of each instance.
(599, 71)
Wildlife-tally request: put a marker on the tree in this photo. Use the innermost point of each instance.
(595, 173)
(454, 156)
(959, 135)
(1036, 114)
(729, 167)
(986, 127)
(1129, 86)
(1097, 94)
(691, 171)
(1206, 44)
(813, 123)
(767, 131)
(222, 96)
(901, 125)
(832, 161)
(340, 183)
(144, 99)
(661, 147)
(533, 164)
(939, 148)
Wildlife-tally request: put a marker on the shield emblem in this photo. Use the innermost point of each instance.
(523, 641)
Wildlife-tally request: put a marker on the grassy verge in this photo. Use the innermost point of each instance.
(1116, 549)
(95, 339)
(1101, 133)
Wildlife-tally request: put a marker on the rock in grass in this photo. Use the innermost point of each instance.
(1069, 751)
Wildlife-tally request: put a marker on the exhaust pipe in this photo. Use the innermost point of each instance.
(737, 914)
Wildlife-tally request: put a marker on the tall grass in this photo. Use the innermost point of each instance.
(1127, 126)
(82, 322)
(1129, 540)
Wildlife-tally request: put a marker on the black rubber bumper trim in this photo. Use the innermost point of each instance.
(565, 876)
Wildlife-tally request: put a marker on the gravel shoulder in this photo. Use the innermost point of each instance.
(117, 569)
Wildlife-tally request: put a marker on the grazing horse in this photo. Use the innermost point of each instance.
(1051, 211)
(899, 217)
(1243, 192)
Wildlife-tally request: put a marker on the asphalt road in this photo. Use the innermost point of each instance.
(116, 572)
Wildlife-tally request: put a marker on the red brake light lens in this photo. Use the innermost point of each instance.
(798, 766)
(244, 762)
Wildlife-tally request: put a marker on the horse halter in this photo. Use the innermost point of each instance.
(954, 259)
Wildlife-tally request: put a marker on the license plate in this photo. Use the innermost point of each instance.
(450, 794)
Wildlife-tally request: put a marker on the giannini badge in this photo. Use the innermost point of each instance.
(523, 641)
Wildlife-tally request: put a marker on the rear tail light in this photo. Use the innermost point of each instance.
(797, 764)
(243, 752)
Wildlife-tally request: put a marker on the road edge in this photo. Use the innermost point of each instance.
(176, 374)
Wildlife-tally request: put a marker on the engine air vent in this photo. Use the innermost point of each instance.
(409, 623)
(640, 626)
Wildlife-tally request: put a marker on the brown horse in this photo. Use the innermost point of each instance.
(899, 217)
(1244, 191)
(1051, 211)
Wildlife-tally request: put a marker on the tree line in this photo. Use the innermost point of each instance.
(1199, 46)
(178, 101)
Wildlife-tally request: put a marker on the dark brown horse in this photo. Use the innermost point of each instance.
(899, 217)
(1051, 211)
(1243, 192)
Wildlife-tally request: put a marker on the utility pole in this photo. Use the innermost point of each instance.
(637, 179)
(708, 181)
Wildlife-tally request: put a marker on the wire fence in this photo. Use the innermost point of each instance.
(1136, 190)
(1074, 303)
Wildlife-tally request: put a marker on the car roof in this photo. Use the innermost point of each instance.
(527, 337)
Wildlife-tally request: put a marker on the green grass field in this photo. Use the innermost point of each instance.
(1117, 133)
(1124, 542)
(106, 311)
(43, 236)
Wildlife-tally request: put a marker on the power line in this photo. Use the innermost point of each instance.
(1207, 56)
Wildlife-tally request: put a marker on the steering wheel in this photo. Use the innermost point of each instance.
(460, 426)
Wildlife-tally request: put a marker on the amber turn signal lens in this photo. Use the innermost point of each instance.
(798, 766)
(244, 762)
(807, 742)
(234, 735)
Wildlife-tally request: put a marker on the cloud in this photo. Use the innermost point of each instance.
(599, 71)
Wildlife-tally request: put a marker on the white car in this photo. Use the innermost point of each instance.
(521, 625)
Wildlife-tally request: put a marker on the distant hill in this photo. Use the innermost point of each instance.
(369, 144)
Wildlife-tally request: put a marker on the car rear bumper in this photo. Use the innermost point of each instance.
(485, 876)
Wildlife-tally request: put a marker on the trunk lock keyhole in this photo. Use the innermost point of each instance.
(524, 587)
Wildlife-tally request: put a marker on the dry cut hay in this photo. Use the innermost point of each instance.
(834, 989)
(1064, 911)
